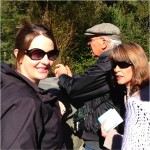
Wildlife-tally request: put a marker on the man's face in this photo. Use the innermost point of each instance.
(97, 45)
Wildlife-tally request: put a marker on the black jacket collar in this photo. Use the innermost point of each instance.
(104, 54)
(43, 94)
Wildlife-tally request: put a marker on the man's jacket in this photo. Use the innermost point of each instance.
(91, 84)
(95, 88)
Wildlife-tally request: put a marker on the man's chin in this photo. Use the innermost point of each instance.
(95, 56)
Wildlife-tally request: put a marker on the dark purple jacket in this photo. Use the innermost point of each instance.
(29, 117)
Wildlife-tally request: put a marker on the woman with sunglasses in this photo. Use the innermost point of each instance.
(131, 69)
(30, 116)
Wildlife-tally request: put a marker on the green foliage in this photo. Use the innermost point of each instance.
(11, 14)
(69, 20)
(134, 27)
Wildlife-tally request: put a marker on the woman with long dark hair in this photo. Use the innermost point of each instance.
(30, 116)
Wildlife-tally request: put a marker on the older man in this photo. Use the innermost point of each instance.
(94, 86)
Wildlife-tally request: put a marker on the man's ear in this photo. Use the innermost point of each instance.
(104, 43)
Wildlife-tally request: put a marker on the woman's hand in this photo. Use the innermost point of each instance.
(105, 133)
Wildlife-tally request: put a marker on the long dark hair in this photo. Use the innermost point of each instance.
(27, 33)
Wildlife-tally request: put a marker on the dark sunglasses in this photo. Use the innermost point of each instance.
(38, 54)
(121, 64)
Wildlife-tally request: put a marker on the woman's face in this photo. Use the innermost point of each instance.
(124, 75)
(36, 70)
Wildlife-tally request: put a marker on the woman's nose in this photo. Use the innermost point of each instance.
(116, 69)
(45, 59)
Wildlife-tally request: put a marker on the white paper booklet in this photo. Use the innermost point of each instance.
(112, 119)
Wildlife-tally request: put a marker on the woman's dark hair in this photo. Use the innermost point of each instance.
(27, 33)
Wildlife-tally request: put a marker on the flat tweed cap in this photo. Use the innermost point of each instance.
(104, 29)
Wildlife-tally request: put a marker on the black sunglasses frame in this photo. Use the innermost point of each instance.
(33, 54)
(121, 64)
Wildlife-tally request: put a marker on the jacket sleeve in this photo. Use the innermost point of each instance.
(19, 124)
(92, 83)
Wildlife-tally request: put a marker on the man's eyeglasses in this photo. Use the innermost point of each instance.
(38, 54)
(121, 64)
(94, 39)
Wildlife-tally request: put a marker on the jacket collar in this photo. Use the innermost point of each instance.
(104, 54)
(44, 95)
